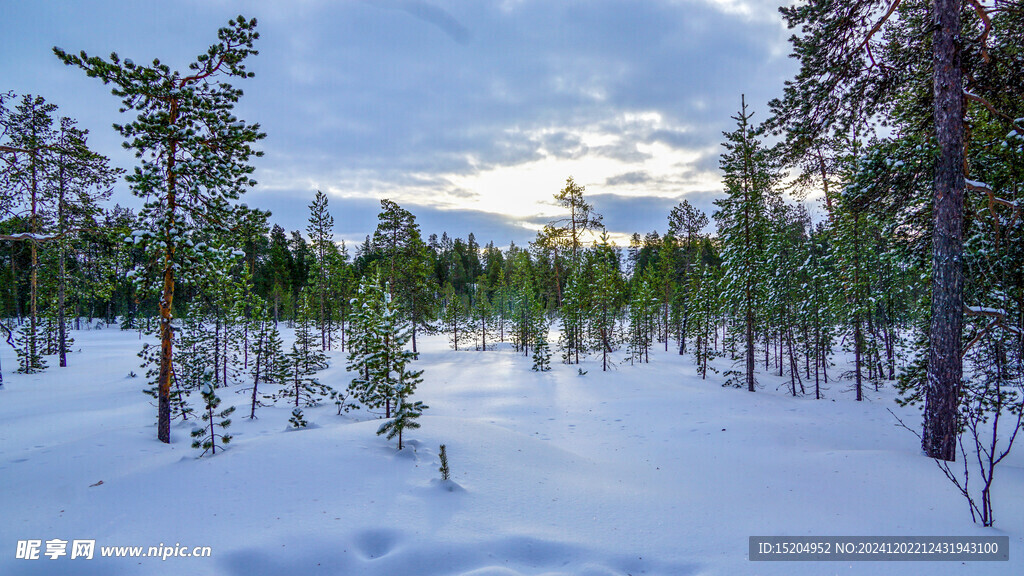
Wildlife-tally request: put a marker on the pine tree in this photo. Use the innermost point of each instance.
(405, 264)
(383, 377)
(280, 270)
(28, 346)
(704, 309)
(194, 160)
(582, 217)
(240, 304)
(538, 329)
(195, 352)
(297, 419)
(26, 173)
(446, 474)
(643, 307)
(741, 218)
(179, 405)
(785, 244)
(482, 315)
(606, 300)
(406, 414)
(867, 61)
(305, 360)
(685, 224)
(394, 375)
(81, 179)
(819, 306)
(365, 342)
(453, 317)
(269, 364)
(573, 315)
(321, 240)
(206, 438)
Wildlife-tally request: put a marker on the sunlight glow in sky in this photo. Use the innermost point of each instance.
(469, 114)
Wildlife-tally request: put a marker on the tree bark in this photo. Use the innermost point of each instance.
(166, 301)
(945, 368)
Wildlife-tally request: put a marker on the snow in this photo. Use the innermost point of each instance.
(985, 311)
(641, 470)
(32, 236)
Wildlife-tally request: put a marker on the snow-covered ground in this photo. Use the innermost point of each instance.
(642, 470)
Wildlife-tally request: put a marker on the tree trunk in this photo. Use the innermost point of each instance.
(166, 301)
(166, 351)
(945, 368)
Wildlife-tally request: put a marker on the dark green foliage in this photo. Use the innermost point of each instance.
(206, 438)
(193, 157)
(454, 319)
(643, 310)
(297, 420)
(306, 358)
(406, 414)
(541, 350)
(445, 472)
(405, 264)
(482, 316)
(742, 217)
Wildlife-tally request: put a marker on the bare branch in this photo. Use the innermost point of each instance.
(991, 108)
(880, 23)
(987, 21)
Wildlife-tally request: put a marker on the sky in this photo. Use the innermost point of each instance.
(470, 114)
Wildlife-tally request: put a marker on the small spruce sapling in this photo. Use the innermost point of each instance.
(206, 437)
(445, 472)
(297, 420)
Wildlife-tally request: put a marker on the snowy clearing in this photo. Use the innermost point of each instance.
(642, 470)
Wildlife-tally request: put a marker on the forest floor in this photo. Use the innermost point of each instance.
(641, 470)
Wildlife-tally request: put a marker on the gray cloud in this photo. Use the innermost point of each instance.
(637, 177)
(434, 15)
(369, 99)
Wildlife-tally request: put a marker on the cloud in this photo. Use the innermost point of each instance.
(433, 15)
(635, 177)
(367, 99)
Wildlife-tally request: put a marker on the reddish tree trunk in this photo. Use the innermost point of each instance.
(945, 367)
